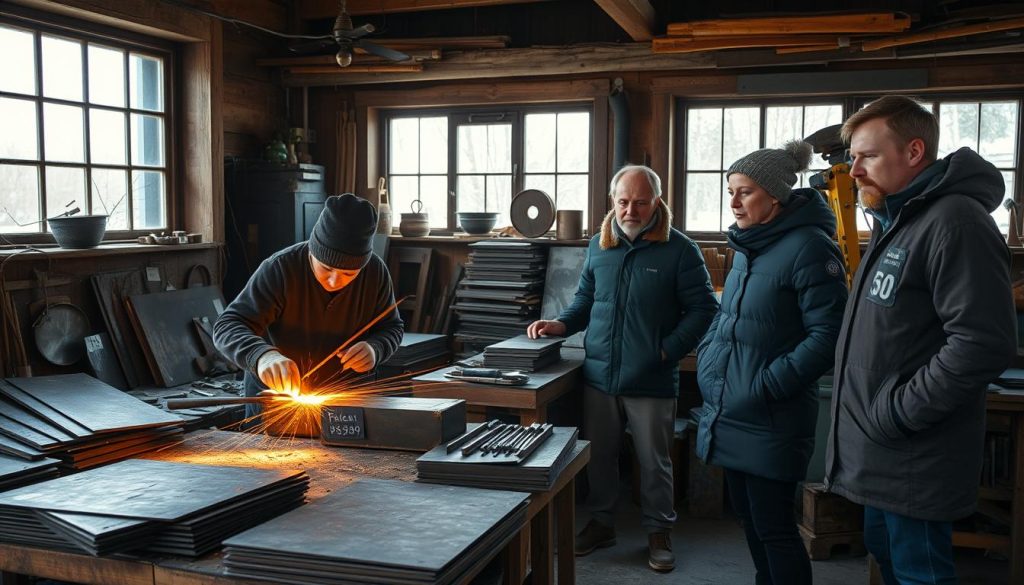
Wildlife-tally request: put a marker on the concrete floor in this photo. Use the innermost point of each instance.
(714, 552)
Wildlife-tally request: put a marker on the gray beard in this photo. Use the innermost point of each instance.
(631, 231)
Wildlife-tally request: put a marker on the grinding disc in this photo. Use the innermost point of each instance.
(522, 203)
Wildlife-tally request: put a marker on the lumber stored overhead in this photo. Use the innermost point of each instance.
(866, 23)
(948, 33)
(313, 9)
(698, 44)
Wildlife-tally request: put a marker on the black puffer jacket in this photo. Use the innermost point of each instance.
(929, 324)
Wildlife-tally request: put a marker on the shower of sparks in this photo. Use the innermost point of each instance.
(290, 421)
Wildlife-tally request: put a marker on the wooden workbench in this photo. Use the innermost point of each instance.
(529, 401)
(329, 468)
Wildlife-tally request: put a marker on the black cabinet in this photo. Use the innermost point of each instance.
(268, 207)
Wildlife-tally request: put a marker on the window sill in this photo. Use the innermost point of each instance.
(105, 249)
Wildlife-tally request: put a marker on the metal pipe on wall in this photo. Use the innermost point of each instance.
(620, 130)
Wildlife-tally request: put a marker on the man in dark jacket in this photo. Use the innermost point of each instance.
(645, 299)
(304, 301)
(929, 324)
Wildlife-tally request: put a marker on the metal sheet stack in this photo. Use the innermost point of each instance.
(150, 506)
(16, 472)
(536, 472)
(79, 420)
(524, 354)
(416, 350)
(501, 293)
(381, 531)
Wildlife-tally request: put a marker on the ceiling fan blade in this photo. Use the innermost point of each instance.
(312, 46)
(354, 33)
(380, 51)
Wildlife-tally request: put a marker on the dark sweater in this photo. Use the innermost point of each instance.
(283, 307)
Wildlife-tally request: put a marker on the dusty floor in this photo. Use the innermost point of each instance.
(714, 552)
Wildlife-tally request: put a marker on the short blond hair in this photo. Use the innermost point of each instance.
(906, 119)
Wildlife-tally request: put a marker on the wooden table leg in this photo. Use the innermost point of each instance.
(565, 514)
(542, 547)
(1017, 527)
(513, 573)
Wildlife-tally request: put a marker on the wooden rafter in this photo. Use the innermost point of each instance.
(867, 23)
(360, 57)
(353, 69)
(948, 33)
(316, 9)
(636, 17)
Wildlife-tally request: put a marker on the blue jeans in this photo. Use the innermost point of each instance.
(910, 551)
(766, 508)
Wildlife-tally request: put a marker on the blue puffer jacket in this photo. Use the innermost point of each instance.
(774, 336)
(637, 300)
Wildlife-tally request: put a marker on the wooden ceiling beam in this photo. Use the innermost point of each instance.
(699, 44)
(636, 17)
(317, 9)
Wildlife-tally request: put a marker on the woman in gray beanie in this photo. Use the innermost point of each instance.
(773, 338)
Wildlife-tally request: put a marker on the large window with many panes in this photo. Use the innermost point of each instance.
(716, 134)
(477, 160)
(84, 124)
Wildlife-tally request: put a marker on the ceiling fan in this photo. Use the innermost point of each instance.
(347, 38)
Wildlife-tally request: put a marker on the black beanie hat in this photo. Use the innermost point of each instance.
(343, 235)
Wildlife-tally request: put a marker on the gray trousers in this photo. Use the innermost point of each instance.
(652, 422)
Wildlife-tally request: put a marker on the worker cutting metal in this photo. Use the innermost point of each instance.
(308, 298)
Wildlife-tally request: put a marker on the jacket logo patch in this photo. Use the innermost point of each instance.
(654, 270)
(833, 268)
(886, 277)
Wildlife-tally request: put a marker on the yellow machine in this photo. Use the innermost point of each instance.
(837, 186)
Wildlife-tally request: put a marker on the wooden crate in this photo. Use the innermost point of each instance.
(822, 546)
(827, 513)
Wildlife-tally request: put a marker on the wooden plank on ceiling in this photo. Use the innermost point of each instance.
(316, 9)
(636, 17)
(866, 23)
(359, 58)
(698, 44)
(271, 14)
(948, 33)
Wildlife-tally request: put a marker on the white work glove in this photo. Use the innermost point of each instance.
(279, 373)
(360, 357)
(549, 328)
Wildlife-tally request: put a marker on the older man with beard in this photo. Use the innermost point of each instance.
(645, 300)
(929, 324)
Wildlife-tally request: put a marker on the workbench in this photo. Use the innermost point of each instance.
(529, 402)
(329, 468)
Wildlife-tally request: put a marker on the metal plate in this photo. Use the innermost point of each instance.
(60, 334)
(523, 202)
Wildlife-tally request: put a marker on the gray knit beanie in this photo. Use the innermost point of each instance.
(775, 169)
(343, 235)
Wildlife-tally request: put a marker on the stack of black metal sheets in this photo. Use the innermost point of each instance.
(16, 472)
(150, 506)
(418, 347)
(381, 531)
(501, 293)
(79, 420)
(537, 472)
(524, 354)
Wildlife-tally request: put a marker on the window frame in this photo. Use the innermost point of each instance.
(462, 115)
(42, 23)
(850, 104)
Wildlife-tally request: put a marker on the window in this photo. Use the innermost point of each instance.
(717, 135)
(84, 124)
(477, 160)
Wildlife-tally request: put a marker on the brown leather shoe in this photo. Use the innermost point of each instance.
(661, 558)
(593, 537)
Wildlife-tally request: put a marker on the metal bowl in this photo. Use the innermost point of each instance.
(477, 222)
(78, 231)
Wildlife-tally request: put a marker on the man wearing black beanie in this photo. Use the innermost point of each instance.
(305, 300)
